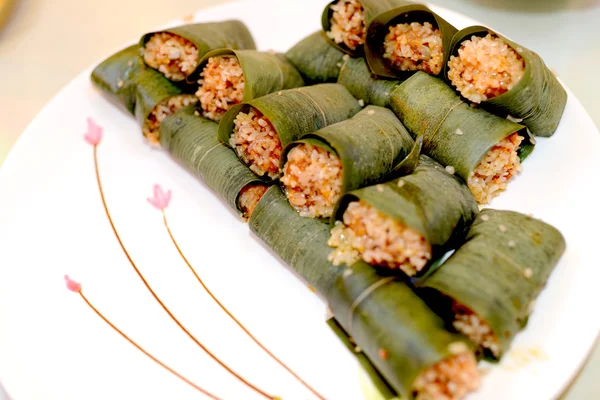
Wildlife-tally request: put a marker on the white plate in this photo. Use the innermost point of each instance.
(52, 223)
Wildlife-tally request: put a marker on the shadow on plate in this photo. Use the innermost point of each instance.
(537, 6)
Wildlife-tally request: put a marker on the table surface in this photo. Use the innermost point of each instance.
(553, 28)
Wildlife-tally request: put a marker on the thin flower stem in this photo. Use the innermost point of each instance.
(242, 327)
(140, 348)
(158, 300)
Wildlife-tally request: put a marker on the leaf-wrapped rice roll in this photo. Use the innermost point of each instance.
(230, 77)
(156, 99)
(258, 130)
(484, 150)
(194, 142)
(403, 38)
(394, 328)
(357, 78)
(506, 78)
(324, 165)
(316, 59)
(176, 52)
(489, 285)
(405, 223)
(116, 77)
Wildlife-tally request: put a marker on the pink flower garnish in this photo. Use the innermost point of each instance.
(94, 133)
(161, 198)
(72, 285)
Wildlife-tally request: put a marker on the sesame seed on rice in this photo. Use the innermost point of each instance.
(348, 25)
(367, 234)
(151, 128)
(172, 55)
(249, 198)
(450, 379)
(477, 330)
(256, 143)
(222, 86)
(485, 68)
(312, 180)
(415, 47)
(496, 169)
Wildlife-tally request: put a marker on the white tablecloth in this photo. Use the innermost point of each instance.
(47, 43)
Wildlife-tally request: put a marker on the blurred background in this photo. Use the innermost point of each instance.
(44, 44)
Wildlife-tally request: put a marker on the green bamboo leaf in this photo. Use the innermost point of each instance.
(430, 201)
(264, 72)
(499, 271)
(369, 145)
(152, 88)
(317, 61)
(378, 28)
(357, 78)
(372, 9)
(193, 141)
(538, 98)
(410, 163)
(455, 134)
(300, 242)
(382, 315)
(378, 381)
(116, 77)
(210, 36)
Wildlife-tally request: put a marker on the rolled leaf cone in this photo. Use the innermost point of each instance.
(316, 59)
(193, 141)
(296, 112)
(378, 28)
(538, 98)
(392, 326)
(357, 78)
(264, 72)
(152, 88)
(210, 36)
(454, 133)
(498, 272)
(372, 9)
(116, 77)
(430, 201)
(369, 146)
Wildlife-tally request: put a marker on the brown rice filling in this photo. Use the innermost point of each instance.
(367, 234)
(221, 86)
(151, 128)
(496, 169)
(249, 198)
(450, 379)
(175, 57)
(476, 329)
(348, 25)
(485, 68)
(256, 143)
(415, 47)
(312, 179)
